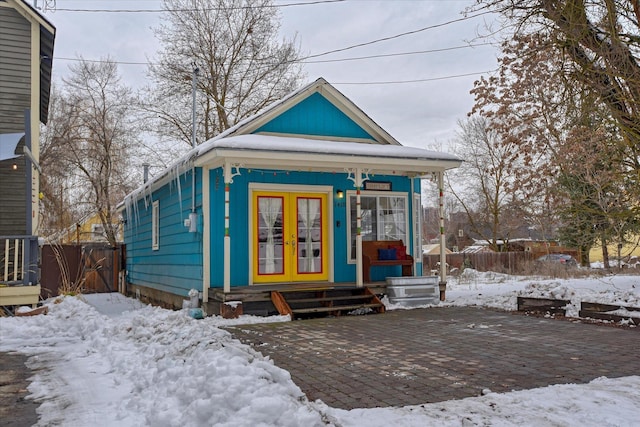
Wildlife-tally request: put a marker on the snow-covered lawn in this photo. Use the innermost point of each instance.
(110, 361)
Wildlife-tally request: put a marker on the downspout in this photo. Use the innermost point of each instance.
(194, 82)
(443, 248)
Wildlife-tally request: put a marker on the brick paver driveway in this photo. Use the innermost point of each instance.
(410, 357)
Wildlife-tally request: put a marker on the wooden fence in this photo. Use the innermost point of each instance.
(504, 262)
(97, 266)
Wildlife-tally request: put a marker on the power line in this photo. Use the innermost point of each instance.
(303, 61)
(196, 10)
(430, 27)
(414, 81)
(386, 55)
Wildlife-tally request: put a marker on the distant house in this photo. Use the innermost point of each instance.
(88, 230)
(476, 248)
(433, 249)
(26, 52)
(284, 197)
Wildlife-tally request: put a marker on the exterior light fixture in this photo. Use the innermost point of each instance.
(14, 166)
(339, 194)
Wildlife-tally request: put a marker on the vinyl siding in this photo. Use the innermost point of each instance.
(15, 48)
(239, 220)
(12, 198)
(15, 71)
(176, 266)
(315, 115)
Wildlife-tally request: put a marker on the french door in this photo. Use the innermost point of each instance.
(290, 237)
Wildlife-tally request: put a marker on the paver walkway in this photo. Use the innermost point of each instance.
(411, 357)
(15, 409)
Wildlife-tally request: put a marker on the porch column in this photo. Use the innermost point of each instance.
(358, 179)
(228, 180)
(443, 248)
(206, 234)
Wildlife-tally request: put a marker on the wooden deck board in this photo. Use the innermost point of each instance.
(262, 293)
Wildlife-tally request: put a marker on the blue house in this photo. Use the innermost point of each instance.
(288, 197)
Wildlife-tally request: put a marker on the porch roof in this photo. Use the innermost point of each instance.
(293, 153)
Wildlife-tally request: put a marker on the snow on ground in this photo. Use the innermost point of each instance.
(501, 291)
(107, 360)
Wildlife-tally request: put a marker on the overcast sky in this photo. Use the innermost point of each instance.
(421, 111)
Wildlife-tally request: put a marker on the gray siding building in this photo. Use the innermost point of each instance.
(26, 53)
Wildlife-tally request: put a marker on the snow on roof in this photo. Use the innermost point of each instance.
(234, 139)
(258, 142)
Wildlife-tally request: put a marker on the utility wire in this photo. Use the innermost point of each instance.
(303, 61)
(392, 82)
(196, 10)
(383, 39)
(387, 55)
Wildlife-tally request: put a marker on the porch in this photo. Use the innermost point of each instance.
(258, 299)
(306, 300)
(19, 270)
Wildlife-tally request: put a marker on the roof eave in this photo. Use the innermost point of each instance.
(323, 162)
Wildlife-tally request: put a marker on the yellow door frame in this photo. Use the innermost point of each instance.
(290, 194)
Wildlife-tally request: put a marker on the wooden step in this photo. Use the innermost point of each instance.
(322, 299)
(305, 303)
(342, 308)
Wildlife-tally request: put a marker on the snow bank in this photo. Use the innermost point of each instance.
(602, 402)
(150, 367)
(126, 364)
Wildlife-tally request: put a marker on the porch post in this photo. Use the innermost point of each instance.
(228, 180)
(206, 235)
(355, 175)
(443, 248)
(227, 237)
(358, 183)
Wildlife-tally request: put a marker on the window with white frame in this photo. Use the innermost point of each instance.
(155, 226)
(384, 217)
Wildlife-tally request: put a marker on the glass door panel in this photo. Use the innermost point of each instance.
(310, 243)
(270, 236)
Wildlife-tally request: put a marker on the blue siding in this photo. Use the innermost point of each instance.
(315, 116)
(176, 266)
(239, 208)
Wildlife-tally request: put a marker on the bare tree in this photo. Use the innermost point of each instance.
(484, 183)
(57, 213)
(90, 142)
(597, 41)
(242, 66)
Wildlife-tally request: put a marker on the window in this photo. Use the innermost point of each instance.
(155, 226)
(384, 217)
